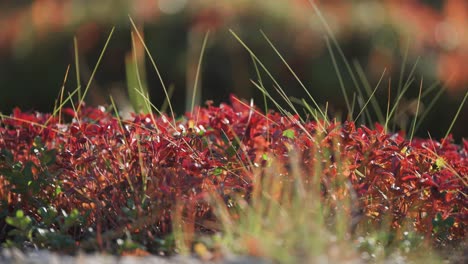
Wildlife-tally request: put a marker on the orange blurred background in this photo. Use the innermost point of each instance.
(36, 46)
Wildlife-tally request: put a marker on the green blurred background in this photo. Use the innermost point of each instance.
(36, 47)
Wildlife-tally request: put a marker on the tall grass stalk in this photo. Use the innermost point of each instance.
(371, 97)
(402, 89)
(429, 107)
(365, 82)
(61, 105)
(197, 75)
(340, 78)
(136, 78)
(294, 74)
(165, 104)
(155, 68)
(455, 117)
(332, 36)
(397, 101)
(77, 67)
(277, 86)
(417, 112)
(88, 85)
(59, 101)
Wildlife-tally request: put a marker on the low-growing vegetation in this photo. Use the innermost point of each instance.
(229, 172)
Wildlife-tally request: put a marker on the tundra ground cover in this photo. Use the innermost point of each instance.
(278, 185)
(99, 182)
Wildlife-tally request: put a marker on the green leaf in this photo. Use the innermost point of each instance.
(58, 190)
(48, 214)
(19, 177)
(130, 245)
(48, 157)
(20, 221)
(289, 133)
(54, 240)
(70, 220)
(38, 142)
(218, 171)
(440, 163)
(28, 181)
(231, 151)
(442, 226)
(7, 156)
(437, 220)
(19, 213)
(449, 222)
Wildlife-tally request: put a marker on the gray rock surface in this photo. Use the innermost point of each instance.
(16, 256)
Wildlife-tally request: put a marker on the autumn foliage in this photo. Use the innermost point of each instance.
(114, 176)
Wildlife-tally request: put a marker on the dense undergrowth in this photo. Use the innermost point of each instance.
(95, 181)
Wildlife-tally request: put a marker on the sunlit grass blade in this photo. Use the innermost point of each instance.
(417, 112)
(340, 78)
(429, 107)
(337, 46)
(132, 84)
(57, 108)
(287, 100)
(265, 92)
(276, 85)
(353, 103)
(155, 68)
(136, 77)
(431, 88)
(77, 67)
(165, 104)
(402, 91)
(252, 54)
(308, 109)
(293, 73)
(158, 111)
(77, 113)
(195, 98)
(370, 94)
(268, 95)
(88, 85)
(455, 117)
(260, 82)
(62, 104)
(395, 105)
(265, 101)
(387, 113)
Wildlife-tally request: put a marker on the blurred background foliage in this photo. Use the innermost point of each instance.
(36, 47)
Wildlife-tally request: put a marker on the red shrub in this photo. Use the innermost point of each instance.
(133, 174)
